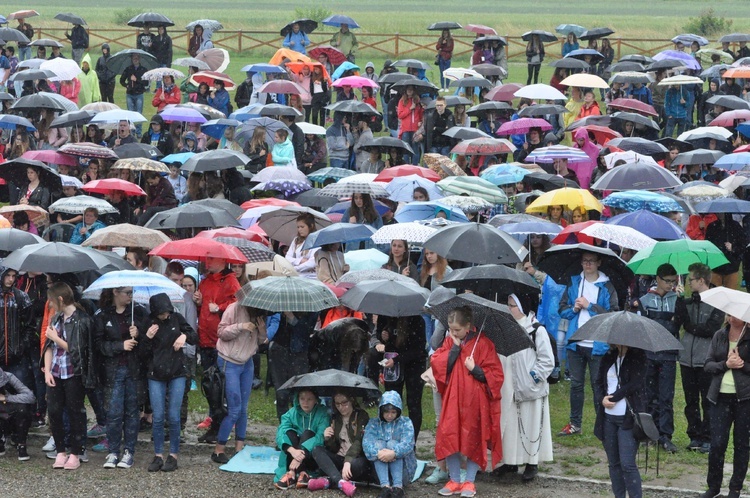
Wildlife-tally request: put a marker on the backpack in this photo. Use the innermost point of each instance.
(212, 386)
(376, 123)
(554, 377)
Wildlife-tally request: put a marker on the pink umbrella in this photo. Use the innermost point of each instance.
(504, 93)
(355, 82)
(480, 29)
(283, 87)
(51, 157)
(523, 125)
(728, 118)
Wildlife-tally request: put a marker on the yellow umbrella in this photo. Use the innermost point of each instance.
(569, 198)
(583, 80)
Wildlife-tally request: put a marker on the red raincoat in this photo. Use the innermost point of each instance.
(470, 417)
(216, 288)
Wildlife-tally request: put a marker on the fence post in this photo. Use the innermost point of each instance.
(619, 48)
(239, 42)
(396, 45)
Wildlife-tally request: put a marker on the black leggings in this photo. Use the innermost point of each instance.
(331, 464)
(67, 394)
(16, 417)
(533, 71)
(319, 101)
(297, 439)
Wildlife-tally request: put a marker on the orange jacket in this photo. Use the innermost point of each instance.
(694, 230)
(339, 312)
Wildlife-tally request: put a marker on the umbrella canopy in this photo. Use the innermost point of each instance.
(545, 182)
(37, 215)
(485, 107)
(347, 189)
(541, 110)
(64, 69)
(281, 224)
(244, 133)
(224, 204)
(305, 26)
(678, 253)
(198, 249)
(215, 160)
(10, 122)
(56, 257)
(480, 29)
(619, 235)
(637, 119)
(570, 198)
(706, 54)
(13, 35)
(341, 233)
(79, 203)
(12, 239)
(77, 118)
(122, 59)
(554, 152)
(729, 102)
(573, 233)
(441, 25)
(413, 233)
(565, 29)
(108, 186)
(351, 278)
(724, 205)
(493, 281)
(489, 70)
(420, 86)
(472, 82)
(732, 302)
(206, 24)
(46, 42)
(141, 164)
(633, 105)
(633, 200)
(208, 77)
(389, 174)
(473, 186)
(527, 228)
(440, 164)
(680, 80)
(630, 77)
(564, 261)
(255, 252)
(733, 162)
(126, 235)
(594, 55)
(411, 63)
(15, 171)
(310, 198)
(325, 173)
(715, 132)
(36, 101)
(22, 14)
(401, 189)
(639, 145)
(643, 176)
(365, 259)
(570, 63)
(192, 61)
(330, 382)
(539, 91)
(523, 125)
(144, 283)
(117, 115)
(595, 33)
(352, 106)
(687, 59)
(191, 216)
(427, 210)
(137, 150)
(70, 181)
(389, 298)
(504, 174)
(150, 19)
(698, 156)
(488, 245)
(629, 66)
(628, 329)
(653, 225)
(334, 55)
(159, 73)
(583, 80)
(71, 18)
(491, 319)
(337, 20)
(83, 149)
(387, 143)
(231, 232)
(544, 36)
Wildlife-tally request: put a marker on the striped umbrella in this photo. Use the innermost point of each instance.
(255, 252)
(473, 186)
(413, 233)
(145, 284)
(295, 294)
(553, 152)
(347, 189)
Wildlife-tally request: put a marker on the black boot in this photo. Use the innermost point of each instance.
(529, 473)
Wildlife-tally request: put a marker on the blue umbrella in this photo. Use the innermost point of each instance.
(689, 38)
(263, 68)
(180, 157)
(504, 174)
(341, 207)
(245, 132)
(9, 122)
(345, 66)
(215, 128)
(734, 162)
(744, 128)
(724, 205)
(686, 59)
(417, 211)
(564, 29)
(365, 259)
(633, 200)
(402, 188)
(248, 112)
(337, 20)
(339, 232)
(532, 227)
(654, 225)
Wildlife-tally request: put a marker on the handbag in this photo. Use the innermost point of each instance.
(644, 428)
(437, 59)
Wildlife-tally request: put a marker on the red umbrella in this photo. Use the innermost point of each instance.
(110, 185)
(389, 174)
(234, 233)
(269, 201)
(483, 147)
(742, 148)
(283, 87)
(504, 93)
(523, 125)
(573, 232)
(480, 29)
(50, 157)
(198, 249)
(208, 78)
(335, 56)
(633, 105)
(728, 118)
(602, 134)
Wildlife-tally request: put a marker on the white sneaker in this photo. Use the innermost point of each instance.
(111, 461)
(84, 457)
(50, 446)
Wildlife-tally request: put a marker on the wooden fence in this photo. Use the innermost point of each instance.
(390, 45)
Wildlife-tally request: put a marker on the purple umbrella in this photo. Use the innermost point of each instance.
(523, 125)
(183, 114)
(683, 57)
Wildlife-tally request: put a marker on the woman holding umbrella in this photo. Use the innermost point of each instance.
(34, 193)
(303, 261)
(534, 58)
(410, 116)
(219, 98)
(444, 47)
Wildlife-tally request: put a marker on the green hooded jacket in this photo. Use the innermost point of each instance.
(89, 84)
(297, 420)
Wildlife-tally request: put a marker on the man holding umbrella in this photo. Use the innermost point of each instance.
(24, 50)
(345, 41)
(79, 41)
(135, 86)
(296, 39)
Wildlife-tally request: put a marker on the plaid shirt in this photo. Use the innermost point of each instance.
(62, 366)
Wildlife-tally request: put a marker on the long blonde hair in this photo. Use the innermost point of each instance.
(440, 266)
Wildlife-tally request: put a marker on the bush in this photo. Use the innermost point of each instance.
(708, 24)
(124, 15)
(315, 13)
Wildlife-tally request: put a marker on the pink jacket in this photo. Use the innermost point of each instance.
(236, 344)
(71, 90)
(585, 170)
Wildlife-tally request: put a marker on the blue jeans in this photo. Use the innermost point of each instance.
(679, 123)
(408, 137)
(578, 359)
(396, 470)
(660, 383)
(157, 391)
(621, 447)
(339, 163)
(238, 386)
(443, 65)
(24, 53)
(135, 103)
(443, 151)
(122, 415)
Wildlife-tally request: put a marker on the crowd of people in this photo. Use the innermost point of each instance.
(135, 359)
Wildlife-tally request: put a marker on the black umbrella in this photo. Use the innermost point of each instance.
(544, 36)
(387, 143)
(489, 106)
(637, 176)
(441, 25)
(13, 35)
(131, 151)
(191, 216)
(735, 38)
(475, 243)
(491, 319)
(32, 74)
(386, 297)
(15, 171)
(665, 64)
(639, 58)
(595, 57)
(331, 381)
(547, 182)
(215, 160)
(490, 39)
(279, 110)
(420, 86)
(541, 110)
(631, 77)
(46, 42)
(12, 239)
(224, 204)
(471, 81)
(451, 101)
(492, 280)
(77, 118)
(310, 198)
(122, 59)
(563, 261)
(411, 63)
(150, 19)
(353, 106)
(461, 133)
(639, 145)
(638, 119)
(570, 63)
(729, 102)
(391, 78)
(305, 26)
(594, 33)
(489, 70)
(697, 156)
(36, 101)
(627, 329)
(71, 18)
(56, 257)
(670, 142)
(723, 205)
(626, 66)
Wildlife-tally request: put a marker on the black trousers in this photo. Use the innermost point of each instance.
(331, 464)
(15, 418)
(67, 394)
(284, 365)
(411, 377)
(728, 412)
(533, 70)
(308, 463)
(695, 384)
(108, 91)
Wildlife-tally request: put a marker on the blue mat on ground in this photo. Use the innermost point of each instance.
(264, 459)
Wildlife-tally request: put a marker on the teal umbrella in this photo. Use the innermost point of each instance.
(564, 29)
(679, 253)
(473, 186)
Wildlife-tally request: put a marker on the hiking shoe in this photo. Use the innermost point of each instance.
(529, 473)
(451, 488)
(2, 448)
(205, 424)
(23, 455)
(50, 446)
(170, 465)
(126, 461)
(712, 493)
(694, 445)
(209, 437)
(505, 469)
(111, 461)
(302, 479)
(347, 487)
(437, 476)
(320, 483)
(84, 457)
(385, 492)
(219, 457)
(60, 460)
(101, 447)
(287, 481)
(668, 445)
(733, 493)
(569, 430)
(96, 431)
(468, 490)
(72, 463)
(397, 492)
(705, 448)
(156, 464)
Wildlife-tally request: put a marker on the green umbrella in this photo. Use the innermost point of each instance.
(473, 186)
(679, 253)
(296, 294)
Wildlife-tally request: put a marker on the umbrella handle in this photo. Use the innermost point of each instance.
(477, 341)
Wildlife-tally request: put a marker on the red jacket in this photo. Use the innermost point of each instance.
(216, 288)
(470, 417)
(589, 111)
(172, 97)
(409, 119)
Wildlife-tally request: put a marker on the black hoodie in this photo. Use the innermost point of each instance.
(104, 73)
(164, 363)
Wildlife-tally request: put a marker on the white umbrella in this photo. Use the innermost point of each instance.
(160, 72)
(144, 284)
(540, 91)
(360, 177)
(619, 235)
(70, 181)
(117, 115)
(311, 129)
(681, 79)
(730, 301)
(705, 130)
(79, 203)
(456, 73)
(279, 173)
(412, 232)
(401, 188)
(629, 157)
(65, 69)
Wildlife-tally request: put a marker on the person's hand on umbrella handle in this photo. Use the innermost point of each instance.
(213, 307)
(129, 345)
(733, 360)
(728, 245)
(405, 272)
(133, 78)
(23, 200)
(680, 290)
(133, 331)
(582, 303)
(469, 363)
(198, 298)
